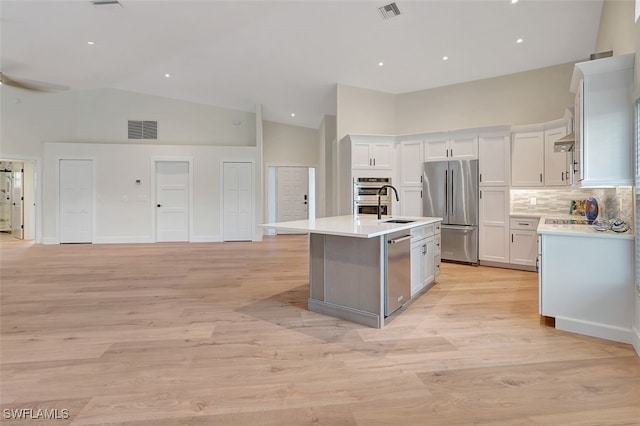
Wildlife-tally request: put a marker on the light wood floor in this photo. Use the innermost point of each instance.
(219, 334)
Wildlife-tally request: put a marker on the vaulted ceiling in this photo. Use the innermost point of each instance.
(286, 55)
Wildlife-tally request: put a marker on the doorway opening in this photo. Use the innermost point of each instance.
(291, 194)
(17, 200)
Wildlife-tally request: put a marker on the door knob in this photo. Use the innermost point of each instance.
(159, 205)
(305, 202)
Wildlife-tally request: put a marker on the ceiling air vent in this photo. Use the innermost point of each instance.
(143, 129)
(105, 2)
(389, 11)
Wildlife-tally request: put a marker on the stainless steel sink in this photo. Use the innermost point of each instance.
(398, 221)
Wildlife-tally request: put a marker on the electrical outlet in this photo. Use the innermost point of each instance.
(532, 201)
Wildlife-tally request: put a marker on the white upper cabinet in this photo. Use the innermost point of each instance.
(451, 146)
(411, 162)
(372, 152)
(604, 121)
(494, 160)
(527, 159)
(555, 163)
(411, 201)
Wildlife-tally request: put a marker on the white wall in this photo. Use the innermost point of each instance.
(616, 30)
(522, 98)
(364, 111)
(28, 119)
(287, 145)
(124, 211)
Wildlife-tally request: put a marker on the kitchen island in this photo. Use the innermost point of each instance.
(349, 273)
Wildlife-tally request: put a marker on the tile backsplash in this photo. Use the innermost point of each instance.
(612, 202)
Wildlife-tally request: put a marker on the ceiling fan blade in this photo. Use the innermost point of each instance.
(36, 86)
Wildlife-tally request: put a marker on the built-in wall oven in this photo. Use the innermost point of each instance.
(365, 195)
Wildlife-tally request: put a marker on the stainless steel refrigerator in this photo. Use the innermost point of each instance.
(450, 191)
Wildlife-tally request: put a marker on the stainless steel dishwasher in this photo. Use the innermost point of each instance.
(398, 282)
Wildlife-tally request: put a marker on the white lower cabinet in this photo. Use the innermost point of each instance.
(424, 257)
(587, 284)
(494, 225)
(524, 241)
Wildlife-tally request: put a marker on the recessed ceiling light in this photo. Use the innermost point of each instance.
(514, 1)
(519, 40)
(167, 75)
(445, 58)
(91, 43)
(380, 64)
(293, 114)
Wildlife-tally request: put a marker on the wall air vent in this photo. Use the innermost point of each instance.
(142, 129)
(389, 11)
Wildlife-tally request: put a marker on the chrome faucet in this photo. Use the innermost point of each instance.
(379, 191)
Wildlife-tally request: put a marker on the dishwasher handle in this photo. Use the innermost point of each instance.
(399, 240)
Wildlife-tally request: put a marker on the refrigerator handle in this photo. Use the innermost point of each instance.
(452, 195)
(446, 192)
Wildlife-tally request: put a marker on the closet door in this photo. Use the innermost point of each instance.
(76, 201)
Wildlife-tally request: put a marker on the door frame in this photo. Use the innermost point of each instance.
(93, 194)
(254, 188)
(271, 187)
(35, 195)
(154, 193)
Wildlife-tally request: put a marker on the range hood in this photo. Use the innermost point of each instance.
(565, 144)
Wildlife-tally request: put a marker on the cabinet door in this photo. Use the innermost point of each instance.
(417, 266)
(411, 162)
(524, 248)
(436, 148)
(578, 130)
(555, 163)
(463, 148)
(494, 225)
(411, 201)
(360, 158)
(381, 155)
(493, 152)
(527, 159)
(428, 271)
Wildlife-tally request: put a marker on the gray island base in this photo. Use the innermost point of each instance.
(348, 263)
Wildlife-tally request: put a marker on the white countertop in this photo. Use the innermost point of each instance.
(577, 230)
(361, 226)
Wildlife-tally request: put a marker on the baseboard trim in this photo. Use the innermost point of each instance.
(205, 239)
(507, 266)
(588, 328)
(49, 240)
(123, 240)
(635, 336)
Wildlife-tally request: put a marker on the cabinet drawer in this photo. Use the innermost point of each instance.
(437, 244)
(437, 227)
(524, 223)
(423, 231)
(438, 261)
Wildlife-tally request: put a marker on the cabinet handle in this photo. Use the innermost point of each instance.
(447, 153)
(370, 162)
(540, 177)
(424, 249)
(480, 177)
(421, 193)
(481, 195)
(523, 224)
(511, 237)
(451, 152)
(420, 178)
(562, 176)
(374, 161)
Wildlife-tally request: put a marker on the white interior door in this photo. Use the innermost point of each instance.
(292, 194)
(172, 201)
(17, 197)
(76, 201)
(237, 193)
